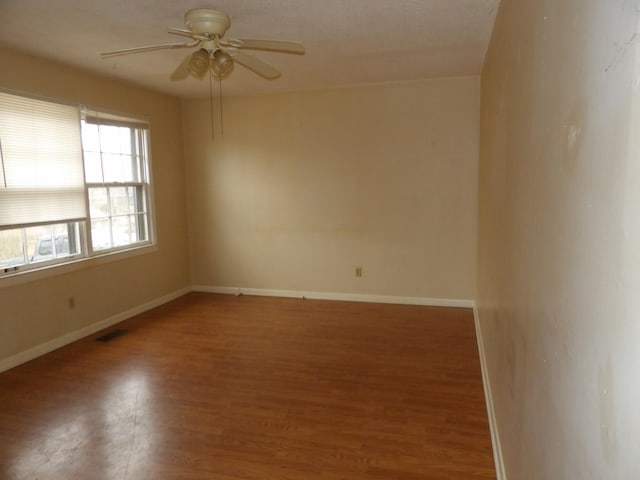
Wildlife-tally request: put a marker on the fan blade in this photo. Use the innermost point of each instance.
(252, 63)
(185, 32)
(280, 46)
(182, 71)
(180, 31)
(150, 48)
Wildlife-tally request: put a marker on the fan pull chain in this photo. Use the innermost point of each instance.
(211, 103)
(220, 96)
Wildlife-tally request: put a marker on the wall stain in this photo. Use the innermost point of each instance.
(573, 134)
(608, 432)
(621, 51)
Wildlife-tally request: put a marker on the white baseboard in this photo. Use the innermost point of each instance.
(51, 345)
(493, 426)
(347, 297)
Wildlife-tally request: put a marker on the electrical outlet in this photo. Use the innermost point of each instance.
(358, 271)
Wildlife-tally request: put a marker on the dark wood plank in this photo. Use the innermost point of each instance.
(230, 388)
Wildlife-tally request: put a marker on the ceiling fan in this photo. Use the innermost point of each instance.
(214, 55)
(206, 28)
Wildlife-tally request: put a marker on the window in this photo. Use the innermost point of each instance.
(116, 178)
(74, 183)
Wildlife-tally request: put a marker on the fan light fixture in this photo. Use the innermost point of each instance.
(199, 63)
(222, 64)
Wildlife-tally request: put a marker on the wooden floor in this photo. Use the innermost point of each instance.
(228, 388)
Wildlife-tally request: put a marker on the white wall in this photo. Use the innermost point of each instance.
(303, 187)
(36, 312)
(559, 217)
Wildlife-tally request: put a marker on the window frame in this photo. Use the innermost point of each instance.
(87, 254)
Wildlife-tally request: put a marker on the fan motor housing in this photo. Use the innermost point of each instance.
(207, 20)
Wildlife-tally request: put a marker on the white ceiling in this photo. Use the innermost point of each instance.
(348, 42)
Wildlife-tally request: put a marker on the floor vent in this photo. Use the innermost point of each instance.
(107, 337)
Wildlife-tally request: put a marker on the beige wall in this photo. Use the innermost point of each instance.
(559, 211)
(35, 312)
(304, 187)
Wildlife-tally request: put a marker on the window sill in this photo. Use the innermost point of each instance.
(19, 278)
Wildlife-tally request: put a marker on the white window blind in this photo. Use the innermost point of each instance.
(41, 174)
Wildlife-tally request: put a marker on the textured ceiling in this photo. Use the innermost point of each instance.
(348, 42)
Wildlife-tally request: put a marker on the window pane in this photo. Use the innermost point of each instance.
(44, 248)
(92, 167)
(101, 234)
(11, 248)
(119, 200)
(117, 167)
(122, 231)
(98, 202)
(43, 244)
(39, 243)
(90, 138)
(114, 139)
(47, 242)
